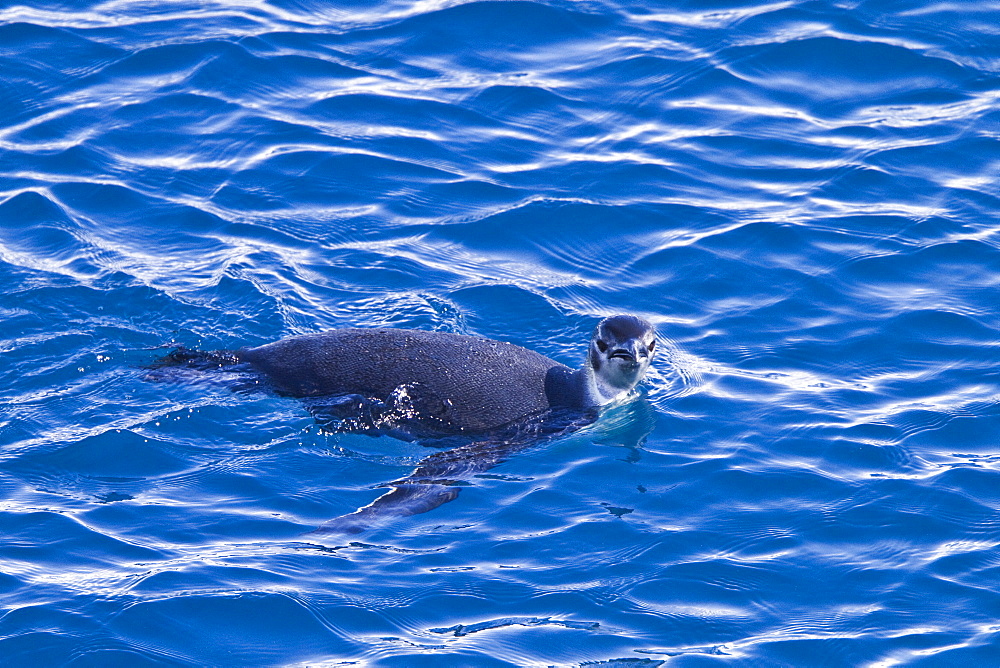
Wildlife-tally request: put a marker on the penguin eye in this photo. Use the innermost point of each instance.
(602, 346)
(652, 344)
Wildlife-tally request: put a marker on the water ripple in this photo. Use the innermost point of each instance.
(800, 196)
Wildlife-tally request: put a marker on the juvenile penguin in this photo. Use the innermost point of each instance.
(458, 382)
(450, 383)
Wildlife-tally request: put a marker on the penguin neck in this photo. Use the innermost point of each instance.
(596, 392)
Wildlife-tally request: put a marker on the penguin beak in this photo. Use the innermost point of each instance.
(629, 352)
(621, 353)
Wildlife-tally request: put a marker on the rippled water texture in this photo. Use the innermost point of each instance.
(802, 196)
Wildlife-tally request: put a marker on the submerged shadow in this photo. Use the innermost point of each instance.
(439, 477)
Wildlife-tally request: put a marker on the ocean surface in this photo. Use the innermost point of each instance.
(802, 196)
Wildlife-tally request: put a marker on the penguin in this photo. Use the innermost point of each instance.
(456, 382)
(448, 384)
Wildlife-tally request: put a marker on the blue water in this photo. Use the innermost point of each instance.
(802, 196)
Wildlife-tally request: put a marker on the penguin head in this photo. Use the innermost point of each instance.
(620, 352)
